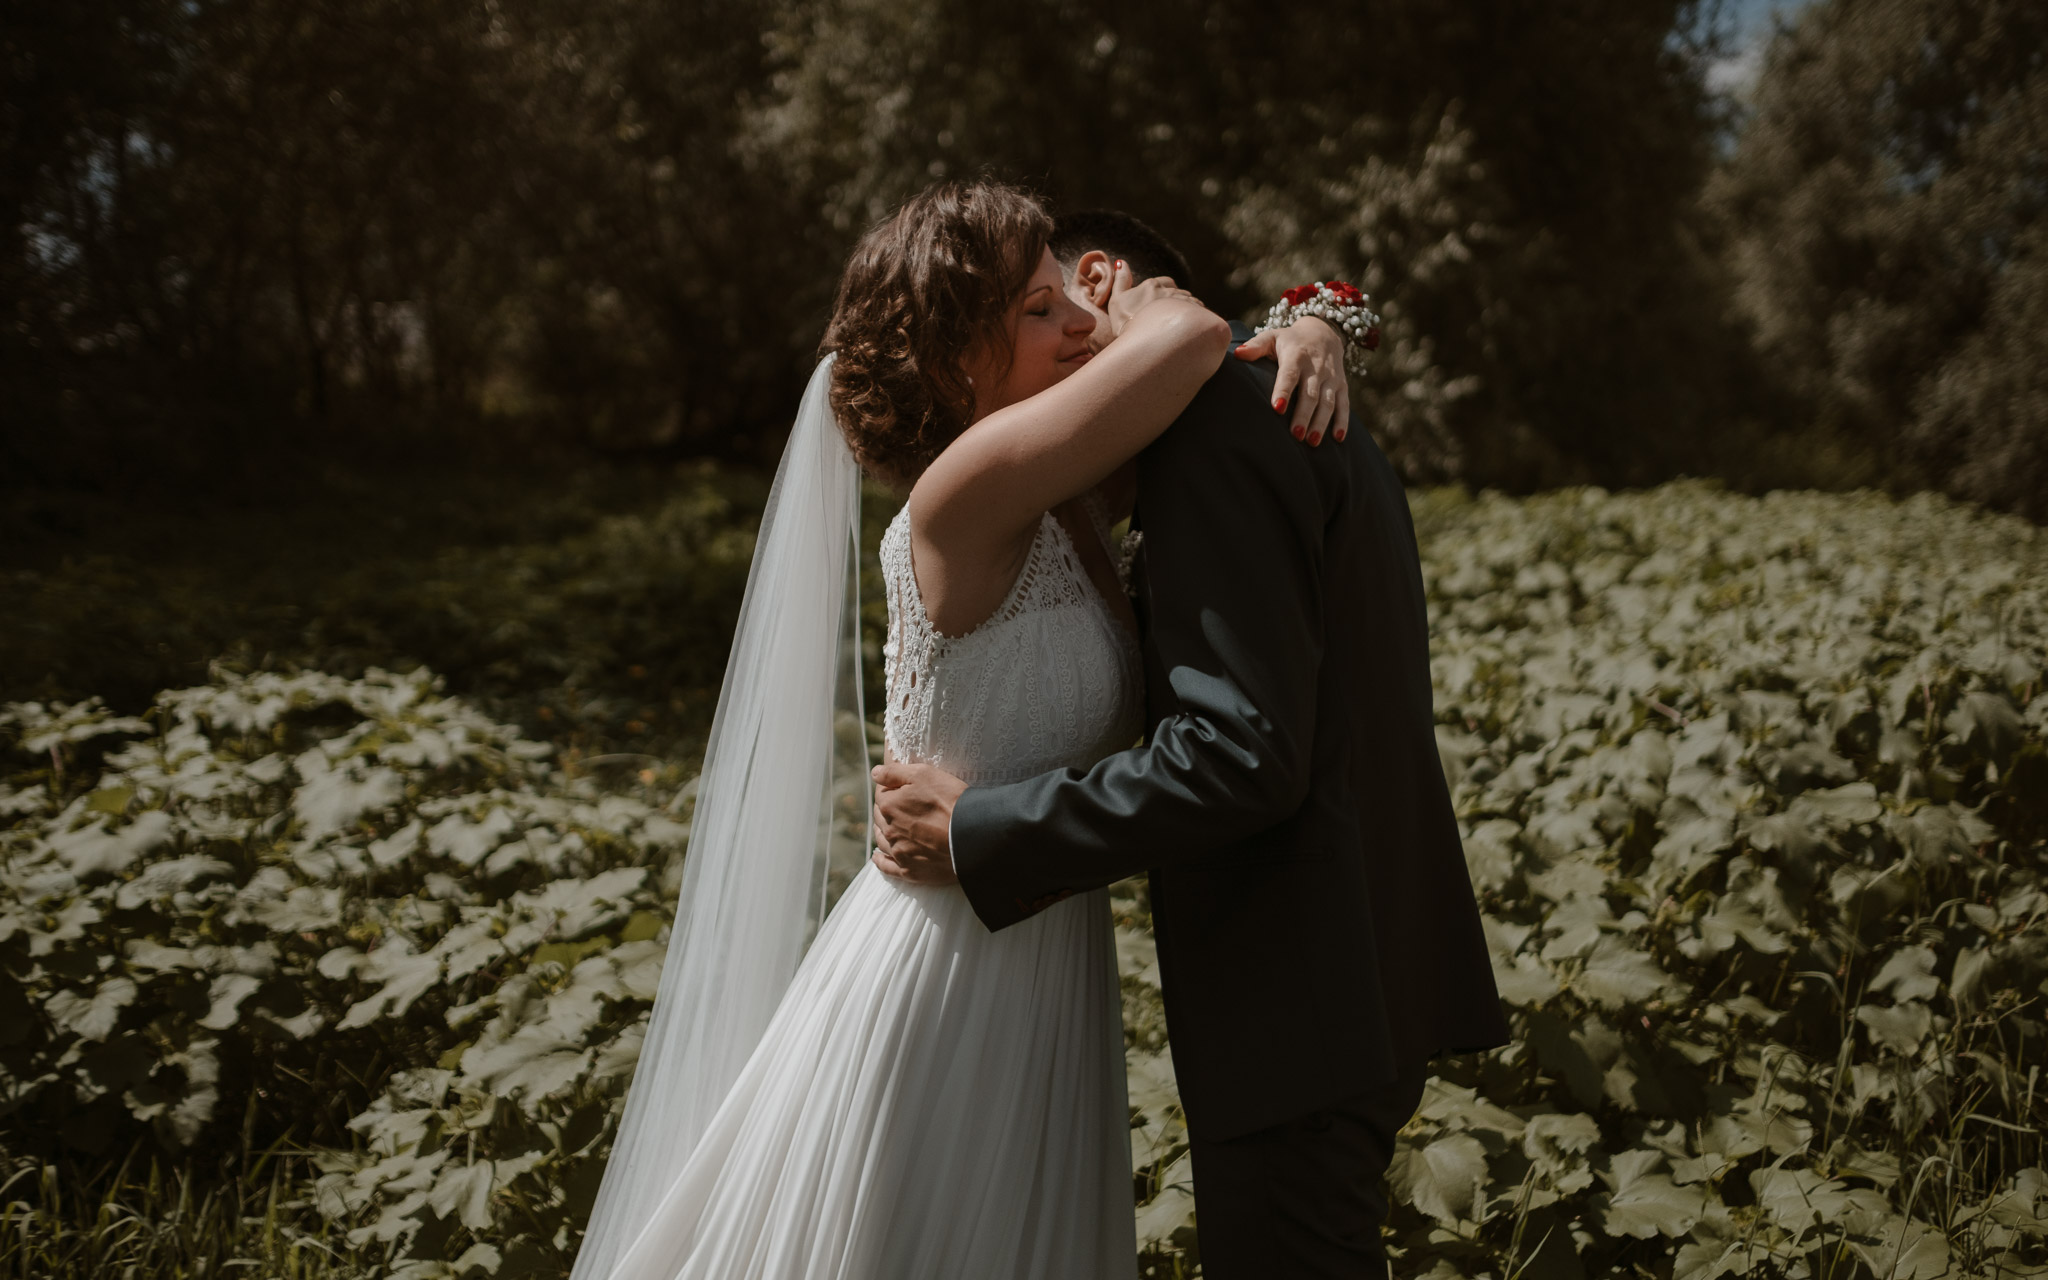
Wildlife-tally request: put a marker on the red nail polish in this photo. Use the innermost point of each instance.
(1299, 431)
(1280, 405)
(1315, 439)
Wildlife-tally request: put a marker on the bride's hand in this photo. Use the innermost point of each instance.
(1311, 355)
(914, 822)
(1127, 298)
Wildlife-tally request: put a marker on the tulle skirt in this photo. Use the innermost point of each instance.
(930, 1101)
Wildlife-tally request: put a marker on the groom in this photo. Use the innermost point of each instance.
(1318, 939)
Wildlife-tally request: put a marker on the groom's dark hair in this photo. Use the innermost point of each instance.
(1120, 236)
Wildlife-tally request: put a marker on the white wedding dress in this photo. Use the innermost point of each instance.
(932, 1101)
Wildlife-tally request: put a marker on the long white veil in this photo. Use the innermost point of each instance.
(786, 740)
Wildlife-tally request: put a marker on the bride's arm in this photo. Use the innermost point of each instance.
(974, 509)
(1026, 458)
(1310, 353)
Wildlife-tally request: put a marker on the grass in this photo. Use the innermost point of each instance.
(591, 607)
(118, 597)
(144, 1219)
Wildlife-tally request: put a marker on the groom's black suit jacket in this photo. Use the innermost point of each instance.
(1315, 921)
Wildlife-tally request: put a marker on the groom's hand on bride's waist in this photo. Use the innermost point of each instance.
(913, 822)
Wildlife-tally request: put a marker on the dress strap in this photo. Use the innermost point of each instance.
(899, 573)
(1098, 516)
(1051, 576)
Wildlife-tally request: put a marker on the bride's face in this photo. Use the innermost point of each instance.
(1049, 340)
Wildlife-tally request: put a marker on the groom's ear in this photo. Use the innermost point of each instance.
(1095, 273)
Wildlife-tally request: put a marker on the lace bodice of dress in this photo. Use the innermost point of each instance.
(1049, 681)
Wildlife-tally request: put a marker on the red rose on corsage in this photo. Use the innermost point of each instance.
(1335, 302)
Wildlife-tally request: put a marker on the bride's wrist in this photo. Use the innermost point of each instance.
(1338, 304)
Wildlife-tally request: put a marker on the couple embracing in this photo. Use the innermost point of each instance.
(932, 1086)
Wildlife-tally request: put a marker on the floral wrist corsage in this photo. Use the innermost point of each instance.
(1342, 305)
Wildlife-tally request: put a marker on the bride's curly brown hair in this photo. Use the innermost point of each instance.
(923, 289)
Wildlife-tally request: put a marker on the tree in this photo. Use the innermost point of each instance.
(259, 220)
(1884, 213)
(1517, 182)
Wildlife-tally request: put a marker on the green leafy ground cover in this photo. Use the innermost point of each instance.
(343, 977)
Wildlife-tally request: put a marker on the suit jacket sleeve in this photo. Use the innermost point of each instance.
(1233, 519)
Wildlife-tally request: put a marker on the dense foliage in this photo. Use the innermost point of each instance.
(595, 611)
(1887, 218)
(288, 894)
(1756, 794)
(235, 232)
(625, 218)
(1756, 802)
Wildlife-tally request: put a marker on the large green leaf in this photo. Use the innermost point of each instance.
(464, 1192)
(1901, 1028)
(1908, 974)
(1902, 1249)
(1616, 975)
(1989, 723)
(94, 1016)
(1445, 1178)
(1644, 1201)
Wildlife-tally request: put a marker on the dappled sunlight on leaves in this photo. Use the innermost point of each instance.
(1744, 786)
(1755, 795)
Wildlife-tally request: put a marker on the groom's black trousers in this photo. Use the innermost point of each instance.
(1305, 1198)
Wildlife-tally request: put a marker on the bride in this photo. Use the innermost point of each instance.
(913, 1096)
